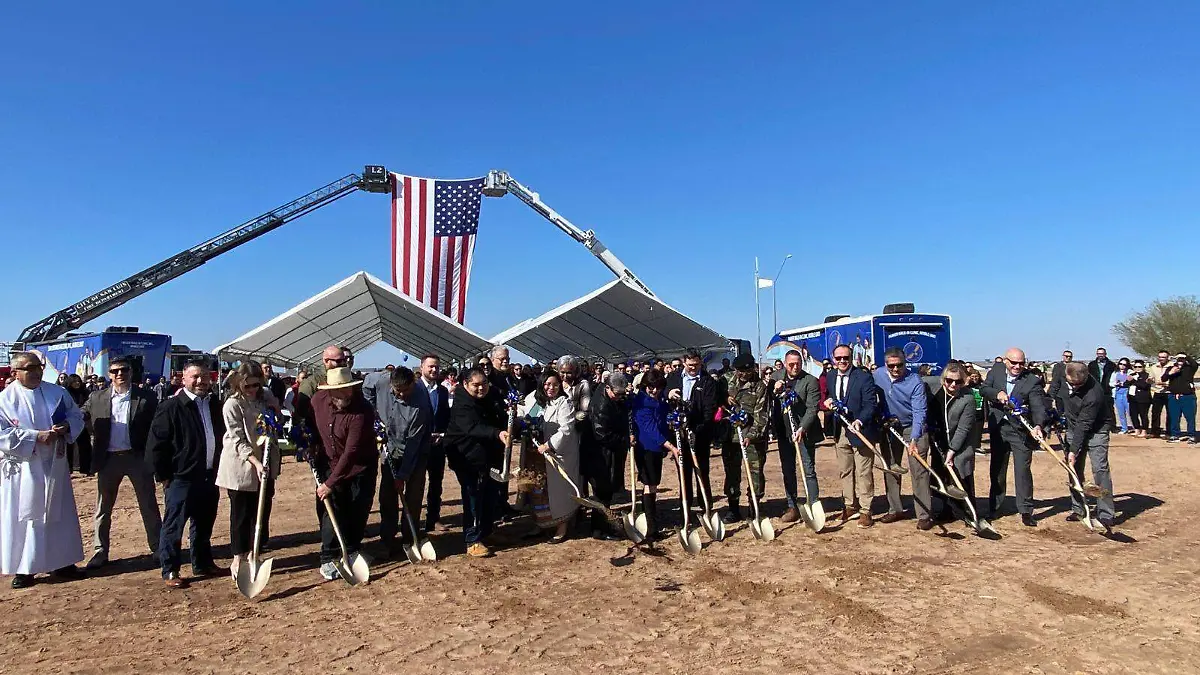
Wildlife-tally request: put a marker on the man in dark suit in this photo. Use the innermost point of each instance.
(696, 392)
(273, 383)
(119, 421)
(1010, 437)
(853, 389)
(1102, 370)
(435, 469)
(1058, 384)
(184, 447)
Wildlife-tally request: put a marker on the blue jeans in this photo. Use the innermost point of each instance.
(194, 500)
(787, 461)
(1121, 398)
(1185, 405)
(479, 500)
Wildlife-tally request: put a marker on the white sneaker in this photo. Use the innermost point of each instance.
(329, 572)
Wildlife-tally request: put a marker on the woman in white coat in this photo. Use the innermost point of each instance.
(248, 460)
(553, 416)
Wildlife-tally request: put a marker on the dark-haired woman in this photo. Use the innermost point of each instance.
(550, 410)
(1139, 398)
(79, 453)
(649, 410)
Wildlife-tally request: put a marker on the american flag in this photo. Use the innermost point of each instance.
(433, 237)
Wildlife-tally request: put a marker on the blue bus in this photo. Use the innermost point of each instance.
(88, 354)
(925, 339)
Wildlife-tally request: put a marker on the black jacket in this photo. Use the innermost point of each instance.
(98, 411)
(610, 423)
(1139, 383)
(441, 416)
(1089, 412)
(1058, 384)
(473, 436)
(176, 446)
(1101, 375)
(277, 386)
(701, 407)
(1181, 382)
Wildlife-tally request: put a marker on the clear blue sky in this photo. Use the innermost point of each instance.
(1028, 167)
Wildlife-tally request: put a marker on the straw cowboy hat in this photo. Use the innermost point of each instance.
(339, 378)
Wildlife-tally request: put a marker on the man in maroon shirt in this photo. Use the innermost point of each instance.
(349, 461)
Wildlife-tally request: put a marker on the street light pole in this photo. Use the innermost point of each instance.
(774, 294)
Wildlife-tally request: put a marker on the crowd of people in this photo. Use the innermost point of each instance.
(393, 434)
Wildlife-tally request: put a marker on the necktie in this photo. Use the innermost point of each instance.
(841, 388)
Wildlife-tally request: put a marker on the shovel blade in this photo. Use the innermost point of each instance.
(500, 476)
(412, 553)
(428, 552)
(353, 570)
(767, 529)
(689, 540)
(631, 530)
(252, 579)
(813, 515)
(717, 531)
(955, 492)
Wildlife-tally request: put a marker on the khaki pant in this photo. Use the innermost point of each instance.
(855, 465)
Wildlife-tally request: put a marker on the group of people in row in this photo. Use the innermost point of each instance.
(404, 428)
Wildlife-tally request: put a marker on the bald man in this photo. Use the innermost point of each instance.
(1009, 437)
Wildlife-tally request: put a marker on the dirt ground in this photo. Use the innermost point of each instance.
(891, 599)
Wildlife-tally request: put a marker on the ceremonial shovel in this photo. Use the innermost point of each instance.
(761, 527)
(710, 520)
(980, 525)
(419, 550)
(636, 526)
(896, 470)
(689, 539)
(502, 474)
(556, 462)
(1015, 412)
(953, 492)
(252, 577)
(813, 513)
(353, 570)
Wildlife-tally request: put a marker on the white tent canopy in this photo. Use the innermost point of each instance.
(616, 322)
(356, 312)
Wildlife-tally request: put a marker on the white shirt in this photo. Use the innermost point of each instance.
(689, 381)
(118, 439)
(210, 440)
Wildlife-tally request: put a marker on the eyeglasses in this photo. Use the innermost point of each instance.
(114, 371)
(896, 366)
(953, 380)
(841, 358)
(1015, 363)
(31, 368)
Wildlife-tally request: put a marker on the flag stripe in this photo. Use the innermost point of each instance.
(465, 254)
(436, 288)
(407, 197)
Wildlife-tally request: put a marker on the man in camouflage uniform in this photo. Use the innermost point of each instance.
(748, 392)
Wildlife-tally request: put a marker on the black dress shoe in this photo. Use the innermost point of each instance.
(69, 572)
(1027, 520)
(1072, 518)
(207, 571)
(22, 581)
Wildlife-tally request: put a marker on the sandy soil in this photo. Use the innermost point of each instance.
(887, 600)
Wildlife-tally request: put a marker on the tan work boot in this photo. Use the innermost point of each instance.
(791, 515)
(479, 550)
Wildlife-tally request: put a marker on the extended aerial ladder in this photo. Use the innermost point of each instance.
(374, 178)
(499, 183)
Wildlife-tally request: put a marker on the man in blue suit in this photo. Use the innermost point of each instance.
(853, 389)
(439, 400)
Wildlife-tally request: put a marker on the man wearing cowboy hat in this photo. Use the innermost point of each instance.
(348, 461)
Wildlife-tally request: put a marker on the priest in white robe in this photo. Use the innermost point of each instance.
(39, 524)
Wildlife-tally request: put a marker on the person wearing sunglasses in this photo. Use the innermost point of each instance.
(38, 518)
(119, 420)
(1139, 398)
(902, 394)
(853, 390)
(952, 420)
(1009, 438)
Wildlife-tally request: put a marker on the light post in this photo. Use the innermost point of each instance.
(774, 295)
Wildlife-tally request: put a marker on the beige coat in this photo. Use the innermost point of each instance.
(240, 441)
